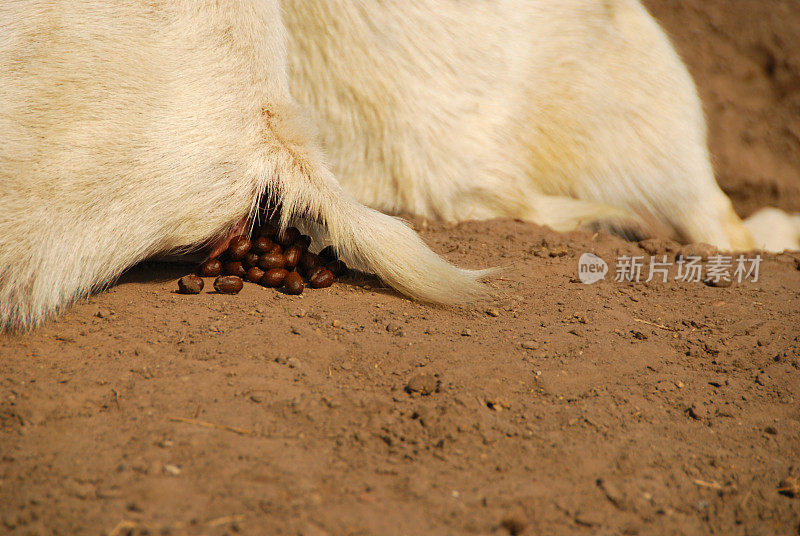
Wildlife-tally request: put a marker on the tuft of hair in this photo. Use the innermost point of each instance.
(386, 246)
(301, 182)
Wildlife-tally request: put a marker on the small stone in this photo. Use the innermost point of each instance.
(696, 250)
(790, 487)
(172, 470)
(771, 430)
(257, 399)
(493, 312)
(659, 246)
(718, 282)
(696, 411)
(424, 384)
(514, 524)
(466, 333)
(530, 345)
(105, 313)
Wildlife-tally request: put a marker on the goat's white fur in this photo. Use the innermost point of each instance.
(132, 128)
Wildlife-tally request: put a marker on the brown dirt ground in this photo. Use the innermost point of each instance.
(562, 408)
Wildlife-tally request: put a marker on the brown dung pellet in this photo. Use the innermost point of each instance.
(235, 268)
(262, 244)
(190, 284)
(288, 237)
(322, 279)
(228, 284)
(239, 248)
(270, 258)
(337, 267)
(254, 274)
(293, 283)
(292, 256)
(270, 261)
(308, 261)
(273, 278)
(210, 268)
(250, 260)
(328, 254)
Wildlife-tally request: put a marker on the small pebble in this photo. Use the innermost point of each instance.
(515, 525)
(190, 284)
(696, 250)
(172, 470)
(789, 487)
(424, 384)
(718, 283)
(228, 284)
(696, 411)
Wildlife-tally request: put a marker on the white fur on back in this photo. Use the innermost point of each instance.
(132, 128)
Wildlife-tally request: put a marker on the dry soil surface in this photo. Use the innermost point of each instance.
(554, 408)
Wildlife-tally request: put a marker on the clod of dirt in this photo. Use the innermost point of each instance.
(638, 335)
(497, 404)
(659, 246)
(696, 411)
(718, 283)
(424, 384)
(704, 251)
(515, 524)
(104, 313)
(790, 487)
